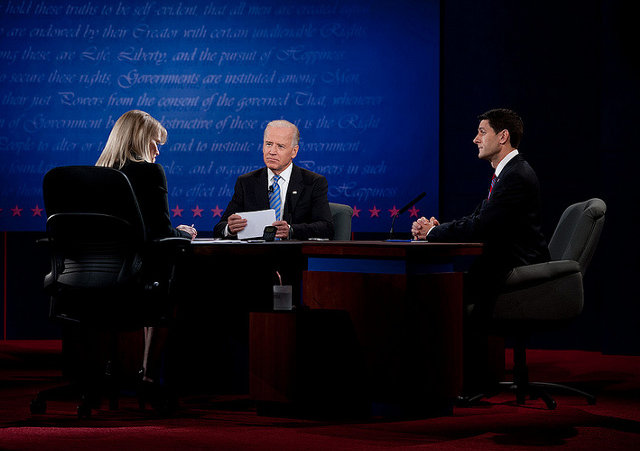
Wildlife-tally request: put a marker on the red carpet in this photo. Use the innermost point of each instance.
(230, 422)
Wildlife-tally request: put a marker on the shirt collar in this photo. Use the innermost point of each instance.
(285, 175)
(505, 160)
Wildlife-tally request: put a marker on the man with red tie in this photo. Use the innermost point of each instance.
(507, 221)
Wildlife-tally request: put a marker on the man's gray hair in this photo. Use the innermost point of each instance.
(281, 123)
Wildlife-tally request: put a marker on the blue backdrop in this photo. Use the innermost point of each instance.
(359, 78)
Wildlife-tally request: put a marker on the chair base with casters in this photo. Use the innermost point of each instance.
(522, 387)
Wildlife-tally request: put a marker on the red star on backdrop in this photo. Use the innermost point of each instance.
(37, 211)
(217, 211)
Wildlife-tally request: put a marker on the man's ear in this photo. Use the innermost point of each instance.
(504, 136)
(295, 152)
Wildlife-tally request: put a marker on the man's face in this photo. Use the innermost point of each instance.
(277, 149)
(488, 141)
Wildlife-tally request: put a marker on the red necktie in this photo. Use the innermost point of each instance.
(493, 182)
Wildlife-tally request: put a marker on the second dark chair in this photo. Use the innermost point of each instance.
(548, 295)
(342, 215)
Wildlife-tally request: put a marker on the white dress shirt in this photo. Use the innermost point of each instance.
(508, 157)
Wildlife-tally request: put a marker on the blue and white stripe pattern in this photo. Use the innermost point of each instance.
(274, 196)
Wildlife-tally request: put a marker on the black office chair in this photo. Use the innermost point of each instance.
(548, 295)
(342, 215)
(105, 275)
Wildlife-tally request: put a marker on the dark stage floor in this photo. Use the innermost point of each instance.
(210, 421)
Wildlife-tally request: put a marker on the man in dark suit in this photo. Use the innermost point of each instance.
(507, 222)
(299, 196)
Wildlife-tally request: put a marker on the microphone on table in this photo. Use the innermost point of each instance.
(405, 208)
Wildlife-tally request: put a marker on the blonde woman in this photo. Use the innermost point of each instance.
(132, 148)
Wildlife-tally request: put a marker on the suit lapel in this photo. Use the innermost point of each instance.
(510, 166)
(261, 189)
(293, 193)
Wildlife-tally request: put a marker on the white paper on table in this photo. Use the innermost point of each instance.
(256, 222)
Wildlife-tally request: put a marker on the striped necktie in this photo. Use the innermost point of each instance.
(493, 182)
(274, 196)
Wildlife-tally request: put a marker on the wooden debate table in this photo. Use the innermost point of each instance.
(376, 327)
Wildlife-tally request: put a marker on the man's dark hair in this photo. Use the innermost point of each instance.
(501, 119)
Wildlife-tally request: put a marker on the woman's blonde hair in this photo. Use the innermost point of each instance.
(130, 138)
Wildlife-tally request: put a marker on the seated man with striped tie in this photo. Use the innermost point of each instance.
(298, 195)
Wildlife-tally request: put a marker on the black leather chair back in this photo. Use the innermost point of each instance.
(94, 190)
(97, 237)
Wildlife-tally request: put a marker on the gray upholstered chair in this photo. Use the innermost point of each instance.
(547, 295)
(342, 215)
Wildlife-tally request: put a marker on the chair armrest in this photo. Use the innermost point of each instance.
(168, 246)
(160, 261)
(524, 276)
(171, 241)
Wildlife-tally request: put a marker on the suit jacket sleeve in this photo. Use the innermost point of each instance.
(316, 220)
(506, 211)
